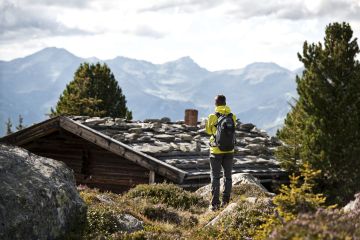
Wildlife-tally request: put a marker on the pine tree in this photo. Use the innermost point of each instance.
(94, 91)
(8, 127)
(328, 127)
(20, 126)
(290, 134)
(128, 115)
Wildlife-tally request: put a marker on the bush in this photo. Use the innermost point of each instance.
(150, 232)
(239, 224)
(168, 194)
(324, 224)
(294, 199)
(161, 213)
(101, 220)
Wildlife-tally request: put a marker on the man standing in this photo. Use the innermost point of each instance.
(221, 126)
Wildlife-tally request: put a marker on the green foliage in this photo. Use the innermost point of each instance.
(157, 232)
(293, 200)
(239, 224)
(323, 225)
(8, 127)
(93, 92)
(128, 115)
(168, 194)
(161, 213)
(20, 125)
(291, 135)
(101, 220)
(323, 126)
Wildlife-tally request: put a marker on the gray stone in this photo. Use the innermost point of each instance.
(135, 130)
(120, 137)
(165, 137)
(184, 136)
(128, 223)
(189, 147)
(120, 120)
(353, 206)
(38, 199)
(246, 126)
(94, 121)
(228, 210)
(131, 136)
(257, 148)
(237, 179)
(152, 120)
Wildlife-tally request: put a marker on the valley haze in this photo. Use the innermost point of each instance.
(258, 93)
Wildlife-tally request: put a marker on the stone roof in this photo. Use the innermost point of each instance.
(187, 147)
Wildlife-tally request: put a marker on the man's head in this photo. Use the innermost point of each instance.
(220, 100)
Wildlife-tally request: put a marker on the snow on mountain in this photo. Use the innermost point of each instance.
(258, 93)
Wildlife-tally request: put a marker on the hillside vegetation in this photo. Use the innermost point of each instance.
(169, 212)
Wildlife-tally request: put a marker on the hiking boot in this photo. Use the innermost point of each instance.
(224, 204)
(214, 207)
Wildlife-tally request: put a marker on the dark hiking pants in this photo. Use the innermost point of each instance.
(216, 162)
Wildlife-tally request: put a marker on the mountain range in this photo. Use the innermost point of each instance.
(258, 93)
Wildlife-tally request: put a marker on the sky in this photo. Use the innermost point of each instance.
(217, 34)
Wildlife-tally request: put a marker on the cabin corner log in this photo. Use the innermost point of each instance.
(144, 160)
(151, 177)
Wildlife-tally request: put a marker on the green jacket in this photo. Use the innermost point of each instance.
(211, 129)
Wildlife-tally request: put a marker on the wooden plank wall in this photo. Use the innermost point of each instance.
(92, 165)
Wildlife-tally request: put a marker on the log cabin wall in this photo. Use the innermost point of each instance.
(92, 165)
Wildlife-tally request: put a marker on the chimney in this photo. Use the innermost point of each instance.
(191, 117)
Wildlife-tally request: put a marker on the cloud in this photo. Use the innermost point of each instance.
(145, 31)
(62, 3)
(188, 6)
(23, 22)
(281, 9)
(297, 10)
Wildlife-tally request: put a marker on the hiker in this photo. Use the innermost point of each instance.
(221, 126)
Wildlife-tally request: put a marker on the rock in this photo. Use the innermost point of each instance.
(104, 199)
(246, 126)
(229, 208)
(184, 137)
(38, 199)
(256, 148)
(135, 130)
(95, 121)
(119, 137)
(128, 223)
(190, 147)
(267, 201)
(353, 206)
(275, 141)
(120, 120)
(242, 151)
(151, 149)
(165, 137)
(152, 120)
(131, 136)
(237, 179)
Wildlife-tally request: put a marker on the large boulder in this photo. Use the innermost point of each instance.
(237, 179)
(38, 199)
(353, 206)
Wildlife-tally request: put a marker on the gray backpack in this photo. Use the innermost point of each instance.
(225, 132)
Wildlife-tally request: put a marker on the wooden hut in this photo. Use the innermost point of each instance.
(113, 154)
